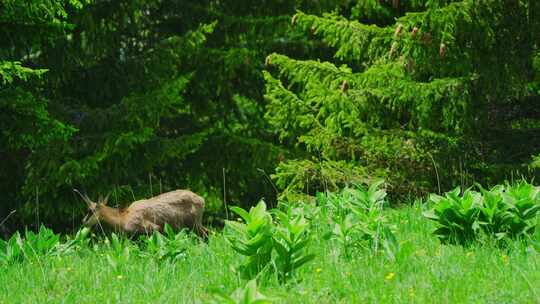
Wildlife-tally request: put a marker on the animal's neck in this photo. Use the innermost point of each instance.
(112, 216)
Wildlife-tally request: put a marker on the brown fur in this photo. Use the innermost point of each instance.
(179, 209)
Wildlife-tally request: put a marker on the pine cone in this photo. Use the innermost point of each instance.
(393, 48)
(426, 38)
(344, 86)
(410, 64)
(442, 50)
(414, 32)
(268, 61)
(398, 30)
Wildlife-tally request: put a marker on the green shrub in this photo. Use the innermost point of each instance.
(10, 250)
(252, 239)
(357, 219)
(37, 245)
(118, 252)
(79, 241)
(167, 246)
(503, 212)
(291, 237)
(264, 243)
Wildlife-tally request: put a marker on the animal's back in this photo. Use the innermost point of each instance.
(179, 208)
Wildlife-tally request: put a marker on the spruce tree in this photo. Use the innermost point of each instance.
(26, 122)
(426, 94)
(142, 97)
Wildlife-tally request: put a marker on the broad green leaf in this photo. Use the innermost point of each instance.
(301, 261)
(242, 213)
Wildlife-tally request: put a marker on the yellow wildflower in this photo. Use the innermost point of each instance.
(119, 277)
(318, 270)
(390, 276)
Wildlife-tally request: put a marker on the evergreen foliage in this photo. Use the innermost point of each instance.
(136, 98)
(430, 97)
(140, 97)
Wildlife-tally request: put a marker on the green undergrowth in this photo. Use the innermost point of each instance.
(413, 266)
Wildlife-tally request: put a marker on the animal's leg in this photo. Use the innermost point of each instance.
(201, 231)
(149, 227)
(132, 228)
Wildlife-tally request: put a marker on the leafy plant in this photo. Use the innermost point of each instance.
(359, 221)
(534, 239)
(79, 241)
(263, 242)
(343, 232)
(168, 246)
(119, 251)
(457, 216)
(43, 243)
(503, 212)
(252, 239)
(291, 238)
(37, 245)
(10, 250)
(246, 295)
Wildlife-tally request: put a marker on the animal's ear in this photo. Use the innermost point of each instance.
(87, 200)
(103, 201)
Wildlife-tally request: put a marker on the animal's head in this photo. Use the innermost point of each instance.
(94, 209)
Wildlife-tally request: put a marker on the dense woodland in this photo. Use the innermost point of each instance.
(243, 100)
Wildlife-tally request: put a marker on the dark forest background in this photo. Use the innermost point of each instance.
(243, 100)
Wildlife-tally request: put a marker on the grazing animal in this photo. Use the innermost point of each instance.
(179, 209)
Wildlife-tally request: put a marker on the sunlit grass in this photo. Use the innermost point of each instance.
(423, 271)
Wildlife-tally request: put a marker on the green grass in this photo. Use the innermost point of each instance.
(424, 271)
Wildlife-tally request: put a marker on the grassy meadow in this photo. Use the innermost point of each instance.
(115, 270)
